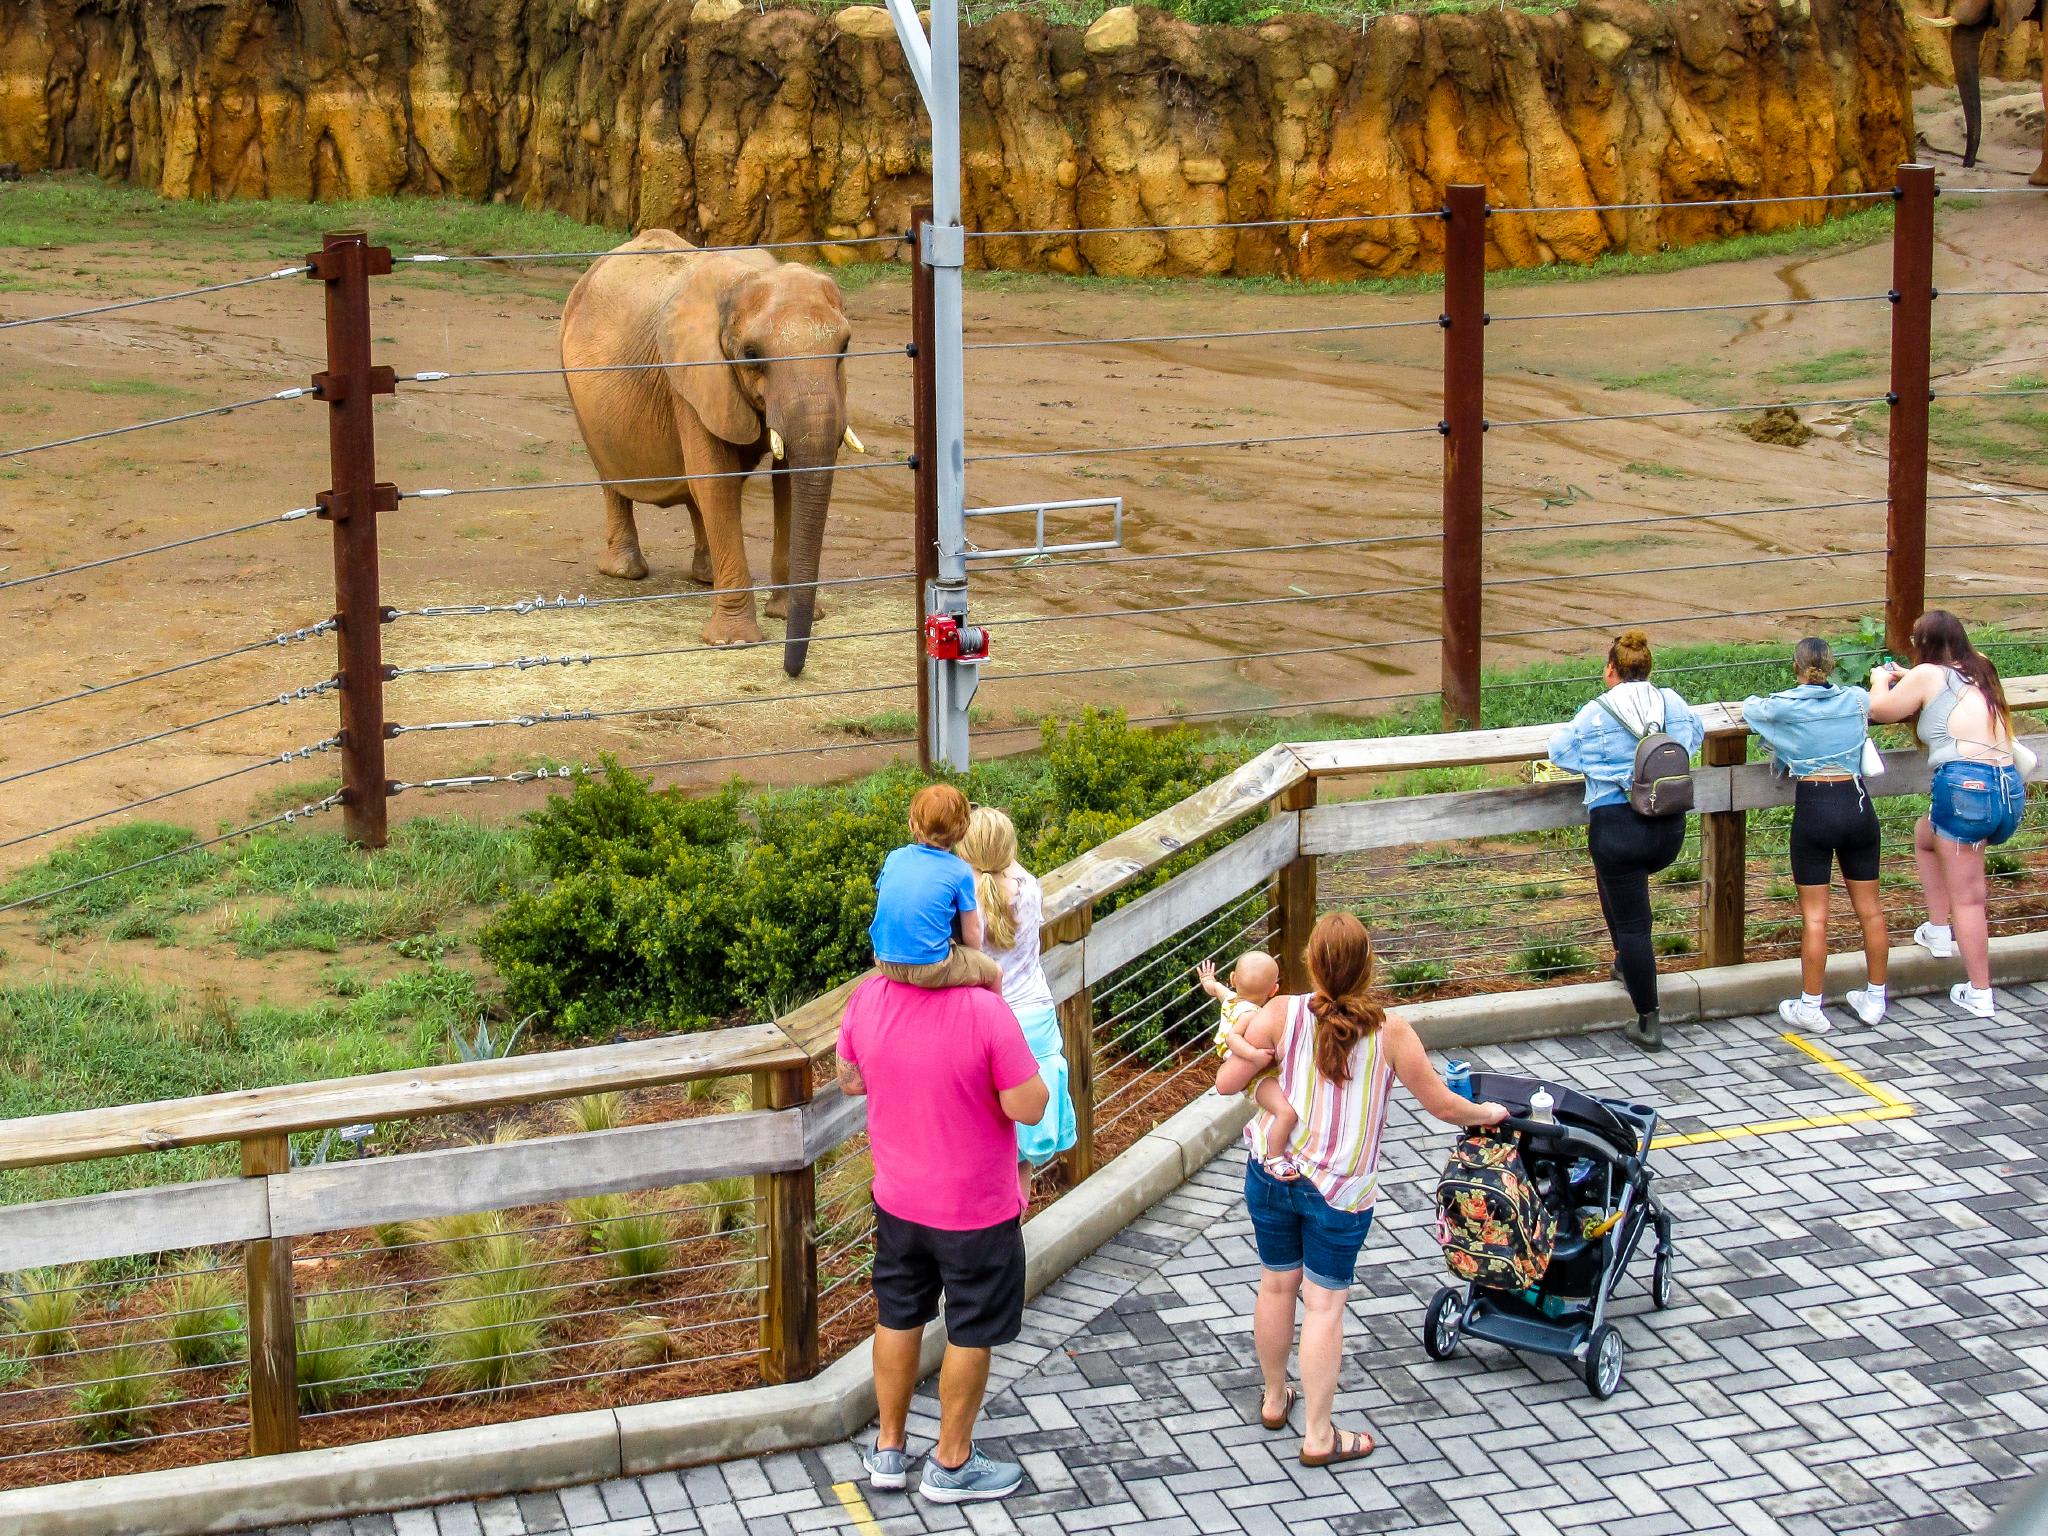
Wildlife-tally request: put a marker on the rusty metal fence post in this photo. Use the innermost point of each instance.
(1464, 433)
(1912, 296)
(924, 460)
(349, 384)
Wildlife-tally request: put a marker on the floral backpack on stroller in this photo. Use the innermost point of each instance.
(1490, 1217)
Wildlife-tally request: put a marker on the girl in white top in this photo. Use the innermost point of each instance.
(1012, 908)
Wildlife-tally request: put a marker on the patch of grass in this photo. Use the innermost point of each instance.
(43, 1309)
(284, 797)
(731, 1203)
(2003, 863)
(1681, 872)
(638, 1244)
(203, 1319)
(882, 725)
(456, 1242)
(116, 1394)
(595, 1112)
(1657, 471)
(1417, 973)
(640, 1342)
(597, 1212)
(1675, 943)
(338, 1350)
(1543, 958)
(1837, 367)
(488, 1343)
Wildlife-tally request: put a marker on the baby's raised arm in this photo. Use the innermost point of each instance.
(1205, 973)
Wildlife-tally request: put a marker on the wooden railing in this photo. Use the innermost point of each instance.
(1257, 884)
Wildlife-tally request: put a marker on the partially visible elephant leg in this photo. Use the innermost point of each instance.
(778, 560)
(700, 557)
(2040, 176)
(732, 620)
(622, 557)
(1966, 53)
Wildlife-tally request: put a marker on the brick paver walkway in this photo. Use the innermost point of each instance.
(1858, 1344)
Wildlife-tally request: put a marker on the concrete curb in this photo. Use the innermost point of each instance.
(565, 1449)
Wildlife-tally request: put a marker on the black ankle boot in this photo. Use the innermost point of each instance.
(1647, 1031)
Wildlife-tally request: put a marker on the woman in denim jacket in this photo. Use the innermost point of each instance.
(1627, 847)
(1816, 732)
(1978, 791)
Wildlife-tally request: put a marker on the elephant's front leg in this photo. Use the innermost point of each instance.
(622, 557)
(778, 559)
(2040, 176)
(732, 620)
(700, 558)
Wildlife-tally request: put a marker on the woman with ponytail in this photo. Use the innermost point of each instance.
(1338, 1053)
(1817, 731)
(1007, 895)
(1627, 846)
(1978, 793)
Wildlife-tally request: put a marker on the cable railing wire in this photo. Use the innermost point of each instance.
(1692, 309)
(532, 663)
(295, 515)
(433, 258)
(310, 691)
(310, 632)
(559, 603)
(1432, 322)
(438, 492)
(294, 755)
(1663, 570)
(155, 298)
(1685, 517)
(443, 375)
(1232, 602)
(1988, 394)
(572, 716)
(160, 421)
(1690, 410)
(1170, 229)
(283, 818)
(1885, 194)
(1433, 535)
(1193, 444)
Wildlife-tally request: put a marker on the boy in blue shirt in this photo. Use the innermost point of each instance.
(927, 930)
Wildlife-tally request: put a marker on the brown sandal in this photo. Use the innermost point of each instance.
(1362, 1445)
(1288, 1400)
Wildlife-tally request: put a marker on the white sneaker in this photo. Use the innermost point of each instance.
(1980, 1005)
(1868, 1006)
(1801, 1014)
(1942, 948)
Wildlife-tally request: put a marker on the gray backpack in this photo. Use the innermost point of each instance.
(1662, 782)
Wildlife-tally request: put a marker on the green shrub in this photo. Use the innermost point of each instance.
(1684, 872)
(339, 1346)
(43, 1310)
(1550, 957)
(2003, 862)
(203, 1323)
(1674, 943)
(116, 1392)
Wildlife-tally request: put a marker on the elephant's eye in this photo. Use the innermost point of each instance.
(751, 353)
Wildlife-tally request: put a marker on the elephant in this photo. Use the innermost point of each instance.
(709, 360)
(1966, 26)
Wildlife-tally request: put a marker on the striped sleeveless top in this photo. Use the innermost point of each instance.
(1337, 1143)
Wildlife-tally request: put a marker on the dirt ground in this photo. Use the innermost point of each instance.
(508, 435)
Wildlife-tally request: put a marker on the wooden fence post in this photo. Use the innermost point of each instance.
(345, 263)
(924, 459)
(789, 1231)
(1724, 863)
(1077, 1040)
(272, 1316)
(1912, 296)
(1294, 893)
(1464, 433)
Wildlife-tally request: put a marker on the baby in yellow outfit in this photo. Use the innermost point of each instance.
(1253, 981)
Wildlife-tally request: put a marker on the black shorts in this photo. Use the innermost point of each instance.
(981, 1273)
(1833, 819)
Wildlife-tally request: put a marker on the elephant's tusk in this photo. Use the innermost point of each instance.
(853, 441)
(775, 442)
(1941, 23)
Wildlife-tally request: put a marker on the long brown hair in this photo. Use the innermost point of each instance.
(1340, 967)
(1939, 637)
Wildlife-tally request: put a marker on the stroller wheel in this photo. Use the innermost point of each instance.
(1660, 1280)
(1604, 1353)
(1440, 1323)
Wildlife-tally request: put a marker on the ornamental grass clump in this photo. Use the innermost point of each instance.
(43, 1310)
(202, 1318)
(640, 1244)
(117, 1392)
(339, 1349)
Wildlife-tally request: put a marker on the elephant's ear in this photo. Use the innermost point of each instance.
(691, 331)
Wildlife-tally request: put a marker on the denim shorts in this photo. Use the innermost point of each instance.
(1977, 803)
(1296, 1228)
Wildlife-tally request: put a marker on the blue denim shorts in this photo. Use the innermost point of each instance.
(1977, 803)
(1296, 1228)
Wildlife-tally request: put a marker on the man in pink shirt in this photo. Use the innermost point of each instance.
(948, 1079)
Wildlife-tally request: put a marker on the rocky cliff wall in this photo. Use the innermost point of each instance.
(732, 125)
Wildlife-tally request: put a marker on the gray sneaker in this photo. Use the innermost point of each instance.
(887, 1470)
(978, 1477)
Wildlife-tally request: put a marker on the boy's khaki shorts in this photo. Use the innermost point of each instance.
(962, 967)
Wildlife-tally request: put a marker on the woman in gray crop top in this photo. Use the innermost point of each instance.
(1978, 793)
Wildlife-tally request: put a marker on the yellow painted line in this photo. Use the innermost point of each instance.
(1890, 1107)
(849, 1496)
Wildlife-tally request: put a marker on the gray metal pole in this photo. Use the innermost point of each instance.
(952, 682)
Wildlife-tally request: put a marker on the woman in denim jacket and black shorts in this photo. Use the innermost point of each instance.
(1817, 732)
(1978, 792)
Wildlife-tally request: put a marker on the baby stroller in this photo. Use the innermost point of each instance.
(1542, 1246)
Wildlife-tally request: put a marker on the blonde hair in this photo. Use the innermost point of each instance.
(1630, 656)
(990, 846)
(938, 815)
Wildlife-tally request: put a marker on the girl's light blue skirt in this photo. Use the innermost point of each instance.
(1041, 1143)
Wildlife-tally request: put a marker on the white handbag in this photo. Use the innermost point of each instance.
(1873, 760)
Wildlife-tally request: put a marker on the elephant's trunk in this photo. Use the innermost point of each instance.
(1966, 52)
(813, 449)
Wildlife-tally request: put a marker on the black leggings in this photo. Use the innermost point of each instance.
(1627, 849)
(1833, 819)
